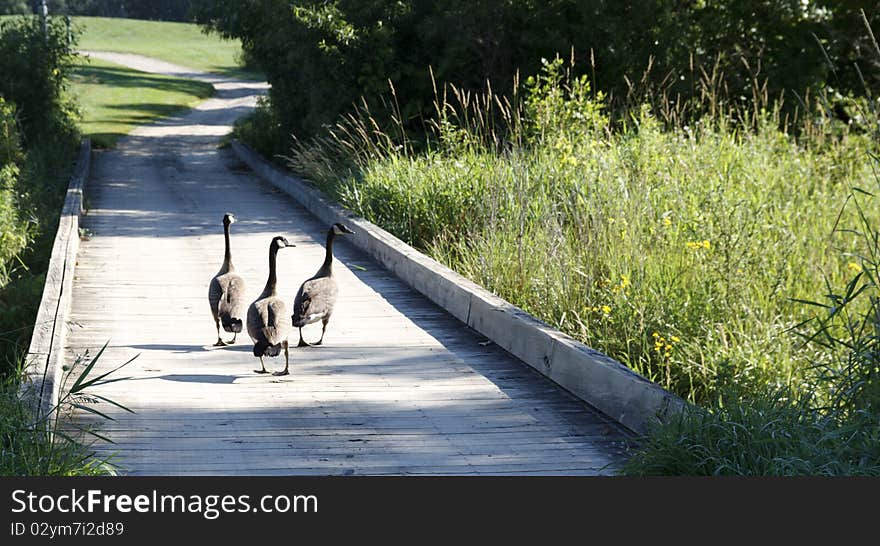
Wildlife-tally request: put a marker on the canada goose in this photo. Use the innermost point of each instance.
(226, 293)
(267, 322)
(315, 298)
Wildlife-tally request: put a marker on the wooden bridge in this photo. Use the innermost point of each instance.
(399, 387)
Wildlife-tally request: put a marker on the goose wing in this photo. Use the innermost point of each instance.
(274, 325)
(232, 300)
(314, 300)
(215, 294)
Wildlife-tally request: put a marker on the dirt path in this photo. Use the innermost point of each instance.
(399, 387)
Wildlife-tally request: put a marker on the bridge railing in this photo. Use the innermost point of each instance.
(42, 375)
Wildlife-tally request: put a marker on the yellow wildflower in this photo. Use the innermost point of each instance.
(855, 267)
(696, 245)
(606, 309)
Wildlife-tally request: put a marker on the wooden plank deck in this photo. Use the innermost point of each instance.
(399, 387)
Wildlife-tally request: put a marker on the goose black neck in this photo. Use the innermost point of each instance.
(327, 266)
(272, 280)
(227, 257)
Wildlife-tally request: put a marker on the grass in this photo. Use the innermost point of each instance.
(115, 99)
(769, 436)
(29, 206)
(33, 444)
(693, 253)
(180, 43)
(679, 252)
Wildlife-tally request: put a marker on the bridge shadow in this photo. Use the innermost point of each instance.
(240, 345)
(343, 437)
(200, 378)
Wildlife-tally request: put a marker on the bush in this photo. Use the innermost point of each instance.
(38, 140)
(322, 57)
(260, 130)
(35, 68)
(14, 229)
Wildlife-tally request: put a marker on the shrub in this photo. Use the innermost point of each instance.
(37, 144)
(322, 57)
(35, 67)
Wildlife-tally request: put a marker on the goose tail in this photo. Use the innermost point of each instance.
(261, 348)
(231, 324)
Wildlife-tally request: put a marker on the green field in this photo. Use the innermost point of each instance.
(180, 43)
(114, 99)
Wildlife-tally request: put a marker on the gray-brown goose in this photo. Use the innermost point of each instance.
(267, 322)
(316, 297)
(226, 293)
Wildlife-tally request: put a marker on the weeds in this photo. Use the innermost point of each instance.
(52, 444)
(830, 428)
(676, 250)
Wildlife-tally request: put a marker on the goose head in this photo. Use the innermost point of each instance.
(228, 219)
(339, 229)
(280, 242)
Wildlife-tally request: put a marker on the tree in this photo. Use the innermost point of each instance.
(321, 56)
(14, 7)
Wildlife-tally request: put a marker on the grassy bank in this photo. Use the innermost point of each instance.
(180, 43)
(679, 252)
(114, 99)
(684, 251)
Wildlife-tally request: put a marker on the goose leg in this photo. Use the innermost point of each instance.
(262, 366)
(286, 361)
(302, 342)
(323, 330)
(232, 342)
(219, 341)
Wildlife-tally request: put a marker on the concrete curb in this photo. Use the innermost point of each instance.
(43, 373)
(593, 377)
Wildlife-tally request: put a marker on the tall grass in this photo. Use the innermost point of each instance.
(678, 248)
(830, 428)
(36, 443)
